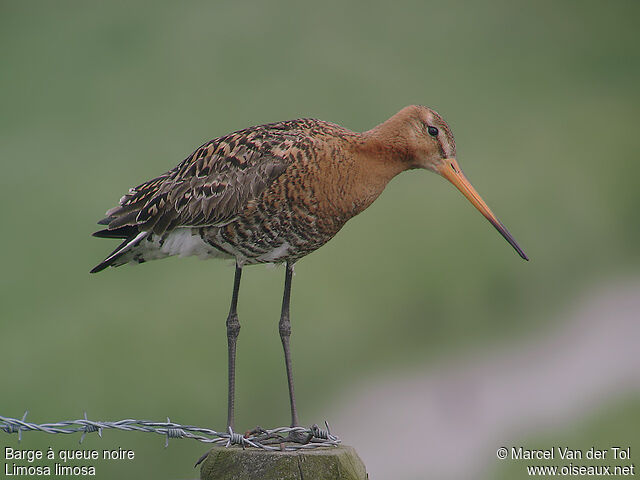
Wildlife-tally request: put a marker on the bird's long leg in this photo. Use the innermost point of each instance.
(285, 333)
(233, 328)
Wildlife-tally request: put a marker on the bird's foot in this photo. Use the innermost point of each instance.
(292, 437)
(255, 432)
(262, 436)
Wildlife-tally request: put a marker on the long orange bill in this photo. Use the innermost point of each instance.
(452, 172)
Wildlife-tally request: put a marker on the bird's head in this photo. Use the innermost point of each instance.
(429, 144)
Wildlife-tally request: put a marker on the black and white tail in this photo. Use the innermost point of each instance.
(142, 246)
(132, 238)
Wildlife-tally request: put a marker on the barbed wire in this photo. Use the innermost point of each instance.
(273, 439)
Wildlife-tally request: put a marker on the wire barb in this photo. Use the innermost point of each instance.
(321, 433)
(236, 439)
(16, 425)
(89, 427)
(173, 432)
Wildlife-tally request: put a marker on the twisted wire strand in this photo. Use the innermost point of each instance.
(318, 437)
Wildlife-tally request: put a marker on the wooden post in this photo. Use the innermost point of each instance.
(324, 463)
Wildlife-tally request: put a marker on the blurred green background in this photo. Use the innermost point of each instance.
(97, 97)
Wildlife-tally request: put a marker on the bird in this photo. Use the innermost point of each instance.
(275, 193)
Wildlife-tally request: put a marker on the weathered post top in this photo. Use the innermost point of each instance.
(331, 463)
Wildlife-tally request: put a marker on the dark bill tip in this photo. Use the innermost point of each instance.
(509, 238)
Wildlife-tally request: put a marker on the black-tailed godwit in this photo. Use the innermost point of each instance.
(275, 193)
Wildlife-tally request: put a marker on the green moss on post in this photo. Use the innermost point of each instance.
(334, 463)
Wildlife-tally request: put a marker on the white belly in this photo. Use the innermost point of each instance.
(184, 243)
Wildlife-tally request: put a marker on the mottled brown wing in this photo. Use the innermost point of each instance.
(211, 186)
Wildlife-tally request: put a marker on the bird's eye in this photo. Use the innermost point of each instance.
(433, 131)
